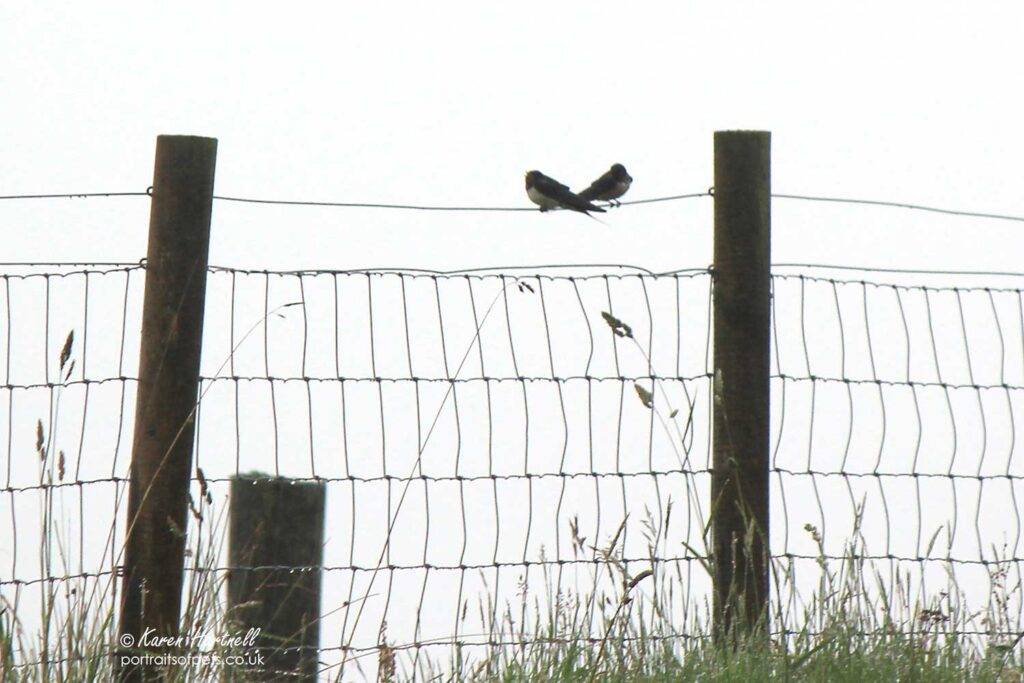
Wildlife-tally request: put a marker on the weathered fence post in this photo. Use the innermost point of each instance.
(742, 284)
(172, 331)
(276, 524)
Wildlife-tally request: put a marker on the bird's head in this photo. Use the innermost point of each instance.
(620, 172)
(531, 178)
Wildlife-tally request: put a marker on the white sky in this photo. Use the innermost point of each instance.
(451, 104)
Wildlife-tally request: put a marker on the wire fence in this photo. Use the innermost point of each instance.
(493, 422)
(504, 444)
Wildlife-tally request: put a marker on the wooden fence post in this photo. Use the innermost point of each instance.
(172, 332)
(742, 286)
(277, 524)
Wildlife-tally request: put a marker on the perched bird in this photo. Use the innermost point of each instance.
(610, 186)
(548, 193)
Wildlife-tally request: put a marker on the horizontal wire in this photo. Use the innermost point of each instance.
(427, 207)
(356, 205)
(601, 561)
(355, 479)
(534, 379)
(476, 273)
(901, 205)
(907, 288)
(594, 561)
(101, 269)
(898, 271)
(470, 478)
(302, 569)
(532, 272)
(75, 195)
(68, 264)
(899, 383)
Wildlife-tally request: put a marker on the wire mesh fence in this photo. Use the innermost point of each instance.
(503, 446)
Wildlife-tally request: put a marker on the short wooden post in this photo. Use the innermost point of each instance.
(742, 285)
(172, 332)
(275, 525)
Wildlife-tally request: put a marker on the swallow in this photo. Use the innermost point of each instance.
(548, 193)
(610, 186)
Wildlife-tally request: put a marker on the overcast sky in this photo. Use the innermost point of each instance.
(450, 103)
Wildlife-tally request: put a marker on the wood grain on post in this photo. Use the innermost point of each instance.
(172, 332)
(276, 538)
(742, 290)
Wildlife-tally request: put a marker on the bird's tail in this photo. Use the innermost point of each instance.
(586, 207)
(577, 203)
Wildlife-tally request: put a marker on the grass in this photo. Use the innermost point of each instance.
(853, 627)
(636, 643)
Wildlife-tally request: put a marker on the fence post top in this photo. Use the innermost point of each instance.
(187, 139)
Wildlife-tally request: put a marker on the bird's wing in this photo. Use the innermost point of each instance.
(598, 187)
(550, 186)
(571, 200)
(563, 195)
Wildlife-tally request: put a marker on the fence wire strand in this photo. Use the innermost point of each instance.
(453, 208)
